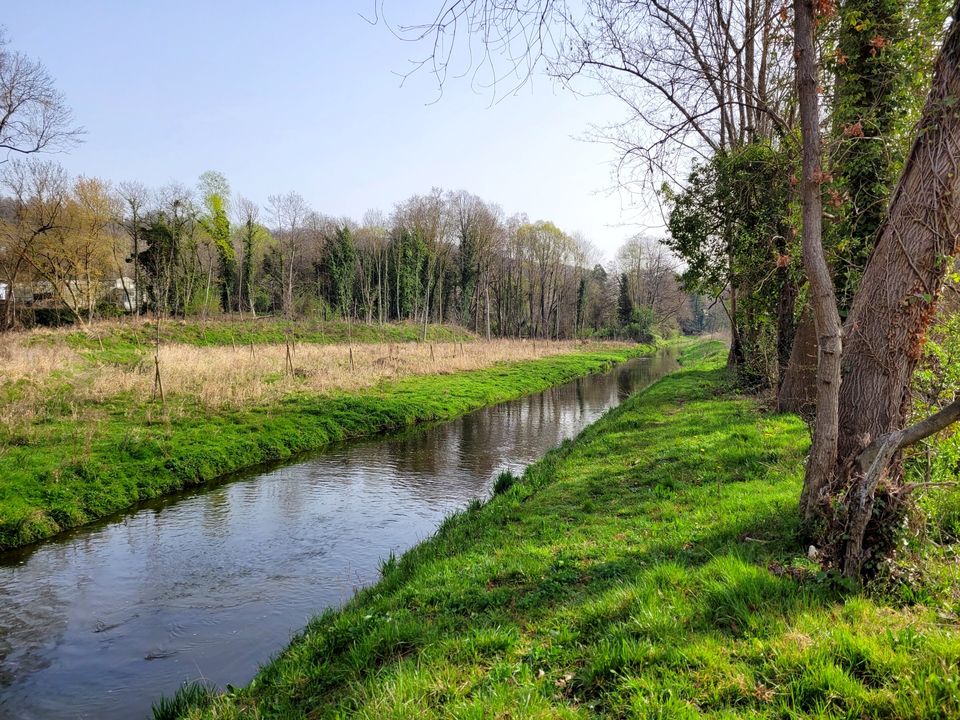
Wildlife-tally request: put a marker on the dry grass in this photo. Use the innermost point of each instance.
(219, 377)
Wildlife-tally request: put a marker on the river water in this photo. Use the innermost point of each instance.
(101, 621)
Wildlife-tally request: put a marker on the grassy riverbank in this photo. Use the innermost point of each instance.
(651, 568)
(81, 437)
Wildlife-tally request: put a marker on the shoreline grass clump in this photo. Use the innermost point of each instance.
(650, 568)
(83, 438)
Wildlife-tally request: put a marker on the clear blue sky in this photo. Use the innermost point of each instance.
(305, 96)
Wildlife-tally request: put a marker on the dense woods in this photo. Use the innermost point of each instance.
(93, 250)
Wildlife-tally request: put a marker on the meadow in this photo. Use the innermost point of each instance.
(651, 568)
(85, 432)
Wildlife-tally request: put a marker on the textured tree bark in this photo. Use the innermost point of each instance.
(894, 307)
(823, 452)
(798, 391)
(786, 310)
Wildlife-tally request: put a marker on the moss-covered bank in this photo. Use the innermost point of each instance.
(83, 471)
(650, 568)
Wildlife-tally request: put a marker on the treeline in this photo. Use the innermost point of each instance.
(94, 249)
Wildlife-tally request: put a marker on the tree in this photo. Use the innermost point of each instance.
(730, 226)
(215, 192)
(254, 238)
(133, 197)
(33, 114)
(884, 52)
(289, 213)
(340, 266)
(624, 301)
(39, 197)
(699, 59)
(854, 482)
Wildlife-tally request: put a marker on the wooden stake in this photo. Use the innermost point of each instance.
(158, 381)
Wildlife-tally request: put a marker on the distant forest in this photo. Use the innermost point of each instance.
(86, 249)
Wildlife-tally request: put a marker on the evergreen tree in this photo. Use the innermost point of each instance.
(624, 302)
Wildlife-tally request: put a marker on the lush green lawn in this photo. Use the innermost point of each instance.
(82, 462)
(648, 569)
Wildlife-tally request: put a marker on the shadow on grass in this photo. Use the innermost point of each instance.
(649, 569)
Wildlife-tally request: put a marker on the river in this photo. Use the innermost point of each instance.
(101, 621)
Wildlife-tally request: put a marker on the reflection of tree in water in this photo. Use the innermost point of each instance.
(215, 517)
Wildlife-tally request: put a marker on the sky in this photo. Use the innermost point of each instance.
(307, 96)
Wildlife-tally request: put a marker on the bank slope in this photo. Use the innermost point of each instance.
(135, 452)
(648, 569)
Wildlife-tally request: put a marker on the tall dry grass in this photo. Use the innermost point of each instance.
(40, 379)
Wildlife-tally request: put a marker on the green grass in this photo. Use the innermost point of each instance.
(79, 464)
(120, 342)
(648, 569)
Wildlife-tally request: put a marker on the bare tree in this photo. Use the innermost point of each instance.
(134, 197)
(289, 213)
(39, 193)
(33, 114)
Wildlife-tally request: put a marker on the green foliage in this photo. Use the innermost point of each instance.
(882, 59)
(196, 695)
(624, 301)
(640, 327)
(340, 269)
(504, 482)
(407, 251)
(216, 225)
(936, 383)
(732, 227)
(650, 568)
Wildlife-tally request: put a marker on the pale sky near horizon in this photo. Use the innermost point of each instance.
(306, 96)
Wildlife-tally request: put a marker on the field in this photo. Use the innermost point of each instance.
(84, 431)
(651, 568)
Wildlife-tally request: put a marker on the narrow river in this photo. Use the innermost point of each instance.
(101, 621)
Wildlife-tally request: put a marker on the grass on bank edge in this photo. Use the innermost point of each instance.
(134, 452)
(121, 337)
(648, 569)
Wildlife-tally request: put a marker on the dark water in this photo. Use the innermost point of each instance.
(102, 621)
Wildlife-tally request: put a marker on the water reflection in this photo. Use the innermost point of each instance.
(102, 621)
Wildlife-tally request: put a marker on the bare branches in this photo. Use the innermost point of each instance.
(33, 115)
(695, 76)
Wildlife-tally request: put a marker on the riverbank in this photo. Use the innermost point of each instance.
(82, 437)
(651, 568)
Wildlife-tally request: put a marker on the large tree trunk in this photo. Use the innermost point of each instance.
(798, 389)
(823, 452)
(886, 327)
